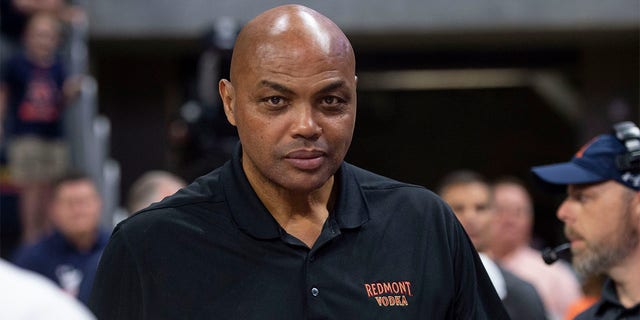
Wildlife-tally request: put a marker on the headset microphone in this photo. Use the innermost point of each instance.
(550, 255)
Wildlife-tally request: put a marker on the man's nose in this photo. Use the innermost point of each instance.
(564, 211)
(305, 124)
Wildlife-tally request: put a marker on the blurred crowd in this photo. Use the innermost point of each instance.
(51, 231)
(57, 209)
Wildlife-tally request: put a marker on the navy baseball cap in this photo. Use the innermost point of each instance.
(594, 162)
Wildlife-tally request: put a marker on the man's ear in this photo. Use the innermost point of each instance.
(227, 93)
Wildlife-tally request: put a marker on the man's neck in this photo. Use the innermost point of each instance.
(501, 252)
(83, 241)
(40, 61)
(627, 280)
(301, 214)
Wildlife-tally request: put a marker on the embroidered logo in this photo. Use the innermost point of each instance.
(580, 152)
(69, 278)
(389, 294)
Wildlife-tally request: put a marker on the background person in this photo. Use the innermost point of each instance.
(287, 229)
(16, 14)
(470, 198)
(151, 187)
(69, 255)
(602, 218)
(34, 89)
(510, 246)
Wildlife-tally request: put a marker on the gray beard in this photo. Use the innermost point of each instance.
(601, 257)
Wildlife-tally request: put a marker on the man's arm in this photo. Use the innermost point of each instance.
(116, 292)
(476, 298)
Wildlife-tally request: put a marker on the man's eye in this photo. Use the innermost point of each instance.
(275, 100)
(331, 100)
(578, 196)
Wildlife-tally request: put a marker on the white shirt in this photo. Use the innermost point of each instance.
(27, 295)
(497, 279)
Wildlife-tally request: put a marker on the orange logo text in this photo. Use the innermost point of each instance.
(389, 294)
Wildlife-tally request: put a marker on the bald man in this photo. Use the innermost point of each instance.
(287, 229)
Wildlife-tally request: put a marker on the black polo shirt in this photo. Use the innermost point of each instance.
(388, 250)
(609, 307)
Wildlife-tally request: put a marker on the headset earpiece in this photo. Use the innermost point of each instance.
(629, 134)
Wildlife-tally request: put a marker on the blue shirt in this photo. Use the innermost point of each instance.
(35, 98)
(57, 259)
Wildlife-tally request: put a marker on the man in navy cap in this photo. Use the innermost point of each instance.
(602, 217)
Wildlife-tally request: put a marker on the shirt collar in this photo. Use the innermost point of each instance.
(251, 216)
(609, 298)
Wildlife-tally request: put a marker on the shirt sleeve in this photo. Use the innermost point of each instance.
(116, 292)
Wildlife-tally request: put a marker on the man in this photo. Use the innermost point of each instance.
(286, 229)
(469, 196)
(34, 89)
(151, 187)
(510, 247)
(602, 219)
(70, 254)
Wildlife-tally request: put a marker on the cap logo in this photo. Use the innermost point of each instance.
(580, 152)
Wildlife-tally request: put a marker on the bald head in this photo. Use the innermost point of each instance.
(292, 98)
(289, 32)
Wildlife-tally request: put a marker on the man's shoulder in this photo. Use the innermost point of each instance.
(35, 253)
(589, 313)
(522, 298)
(386, 193)
(200, 201)
(373, 181)
(205, 189)
(518, 286)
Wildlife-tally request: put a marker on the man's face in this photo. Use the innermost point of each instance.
(76, 208)
(295, 111)
(471, 203)
(41, 37)
(513, 215)
(600, 224)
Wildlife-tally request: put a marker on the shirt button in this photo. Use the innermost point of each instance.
(315, 292)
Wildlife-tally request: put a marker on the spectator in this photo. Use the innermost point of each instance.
(33, 90)
(25, 295)
(510, 246)
(469, 196)
(151, 187)
(16, 14)
(287, 229)
(70, 254)
(602, 217)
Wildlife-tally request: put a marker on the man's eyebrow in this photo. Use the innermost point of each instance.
(283, 89)
(276, 86)
(332, 86)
